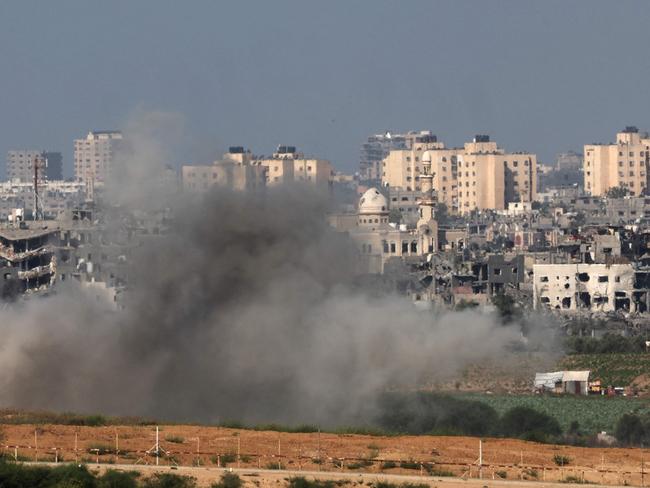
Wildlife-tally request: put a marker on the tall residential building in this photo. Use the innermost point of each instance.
(479, 176)
(375, 150)
(289, 165)
(94, 156)
(402, 167)
(489, 178)
(21, 165)
(624, 163)
(236, 171)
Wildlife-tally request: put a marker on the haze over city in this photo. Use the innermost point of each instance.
(301, 244)
(544, 77)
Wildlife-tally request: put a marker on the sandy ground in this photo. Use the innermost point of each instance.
(339, 455)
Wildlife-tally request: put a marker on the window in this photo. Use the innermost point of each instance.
(392, 248)
(603, 279)
(497, 271)
(543, 279)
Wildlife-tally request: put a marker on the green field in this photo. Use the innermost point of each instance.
(611, 369)
(594, 414)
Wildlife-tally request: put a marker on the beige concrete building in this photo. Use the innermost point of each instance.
(378, 241)
(489, 178)
(479, 176)
(624, 163)
(94, 156)
(402, 167)
(236, 170)
(288, 165)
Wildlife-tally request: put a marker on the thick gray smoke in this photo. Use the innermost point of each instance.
(248, 309)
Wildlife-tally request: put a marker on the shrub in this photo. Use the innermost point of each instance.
(423, 413)
(70, 475)
(388, 465)
(572, 479)
(118, 479)
(630, 430)
(529, 424)
(169, 480)
(560, 460)
(501, 474)
(301, 482)
(228, 480)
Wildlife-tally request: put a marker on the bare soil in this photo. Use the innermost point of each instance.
(215, 447)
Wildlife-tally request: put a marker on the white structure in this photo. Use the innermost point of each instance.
(593, 287)
(574, 382)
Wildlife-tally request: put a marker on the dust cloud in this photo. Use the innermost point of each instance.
(249, 308)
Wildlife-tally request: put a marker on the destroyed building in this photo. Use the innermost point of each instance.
(591, 287)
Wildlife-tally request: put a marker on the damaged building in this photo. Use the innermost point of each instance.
(591, 287)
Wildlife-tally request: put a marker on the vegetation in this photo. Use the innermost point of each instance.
(617, 192)
(633, 430)
(560, 460)
(20, 476)
(18, 417)
(608, 344)
(302, 482)
(618, 369)
(529, 424)
(228, 480)
(428, 413)
(507, 308)
(594, 414)
(169, 480)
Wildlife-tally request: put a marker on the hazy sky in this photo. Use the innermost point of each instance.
(544, 76)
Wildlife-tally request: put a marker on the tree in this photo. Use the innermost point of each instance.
(527, 423)
(617, 192)
(442, 214)
(507, 307)
(630, 430)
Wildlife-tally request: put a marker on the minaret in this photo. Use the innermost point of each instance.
(428, 201)
(427, 225)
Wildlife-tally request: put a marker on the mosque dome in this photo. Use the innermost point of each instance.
(426, 157)
(373, 202)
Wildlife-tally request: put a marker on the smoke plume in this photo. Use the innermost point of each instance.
(249, 308)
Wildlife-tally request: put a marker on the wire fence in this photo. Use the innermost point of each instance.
(309, 454)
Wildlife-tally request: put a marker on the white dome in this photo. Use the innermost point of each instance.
(426, 157)
(373, 202)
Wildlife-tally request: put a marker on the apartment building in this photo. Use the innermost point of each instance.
(623, 164)
(94, 156)
(373, 152)
(478, 176)
(23, 164)
(402, 167)
(288, 165)
(236, 170)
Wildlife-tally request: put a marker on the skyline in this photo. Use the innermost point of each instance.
(381, 66)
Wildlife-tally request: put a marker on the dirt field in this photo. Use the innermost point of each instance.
(406, 455)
